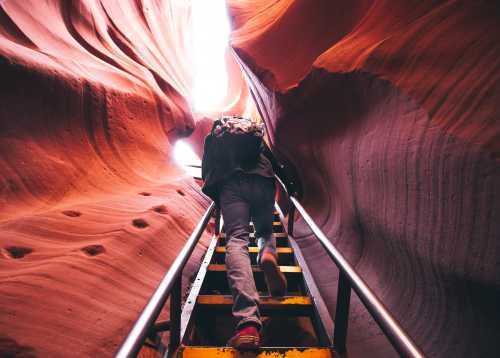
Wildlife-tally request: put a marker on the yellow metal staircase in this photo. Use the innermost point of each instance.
(207, 323)
(297, 325)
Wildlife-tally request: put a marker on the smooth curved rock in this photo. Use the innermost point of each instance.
(93, 95)
(390, 126)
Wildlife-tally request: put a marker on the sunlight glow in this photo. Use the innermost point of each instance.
(185, 156)
(210, 38)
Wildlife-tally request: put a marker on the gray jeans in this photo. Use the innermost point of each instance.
(245, 196)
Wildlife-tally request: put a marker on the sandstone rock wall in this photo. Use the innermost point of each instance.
(93, 209)
(388, 112)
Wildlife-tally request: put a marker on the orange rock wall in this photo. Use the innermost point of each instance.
(93, 209)
(90, 102)
(73, 281)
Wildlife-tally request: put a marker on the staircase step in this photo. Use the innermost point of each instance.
(277, 226)
(287, 269)
(290, 305)
(285, 255)
(216, 280)
(264, 301)
(264, 352)
(281, 239)
(252, 234)
(255, 250)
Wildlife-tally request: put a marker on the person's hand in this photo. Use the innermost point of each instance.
(291, 188)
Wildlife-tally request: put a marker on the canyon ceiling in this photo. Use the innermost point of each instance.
(385, 111)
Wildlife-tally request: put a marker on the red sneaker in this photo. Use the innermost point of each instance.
(275, 279)
(246, 338)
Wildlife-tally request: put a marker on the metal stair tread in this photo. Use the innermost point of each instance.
(254, 250)
(288, 269)
(222, 300)
(264, 352)
(222, 235)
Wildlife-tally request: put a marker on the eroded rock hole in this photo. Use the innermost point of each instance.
(72, 213)
(140, 223)
(144, 193)
(160, 209)
(18, 252)
(93, 250)
(180, 192)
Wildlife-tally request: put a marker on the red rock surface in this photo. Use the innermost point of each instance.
(92, 207)
(388, 110)
(73, 281)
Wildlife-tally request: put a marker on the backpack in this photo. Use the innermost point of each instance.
(240, 135)
(238, 126)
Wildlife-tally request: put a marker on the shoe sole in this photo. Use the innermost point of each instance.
(276, 281)
(246, 343)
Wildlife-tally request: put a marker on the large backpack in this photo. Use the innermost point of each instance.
(240, 135)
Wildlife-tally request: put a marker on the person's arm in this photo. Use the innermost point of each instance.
(279, 169)
(206, 162)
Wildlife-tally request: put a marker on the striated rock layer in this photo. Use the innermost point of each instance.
(93, 209)
(388, 112)
(73, 282)
(90, 102)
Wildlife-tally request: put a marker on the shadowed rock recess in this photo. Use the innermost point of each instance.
(387, 111)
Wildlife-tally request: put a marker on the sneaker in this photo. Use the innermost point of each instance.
(275, 279)
(246, 338)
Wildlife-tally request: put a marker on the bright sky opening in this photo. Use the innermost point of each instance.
(210, 38)
(185, 156)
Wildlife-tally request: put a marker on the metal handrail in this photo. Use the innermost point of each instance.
(170, 284)
(350, 278)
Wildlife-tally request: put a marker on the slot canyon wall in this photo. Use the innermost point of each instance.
(93, 209)
(387, 110)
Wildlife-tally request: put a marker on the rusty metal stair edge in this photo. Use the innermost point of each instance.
(283, 268)
(255, 250)
(228, 300)
(264, 352)
(252, 235)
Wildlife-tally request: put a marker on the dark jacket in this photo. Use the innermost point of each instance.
(221, 159)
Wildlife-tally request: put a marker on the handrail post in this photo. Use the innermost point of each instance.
(342, 313)
(217, 221)
(175, 316)
(291, 218)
